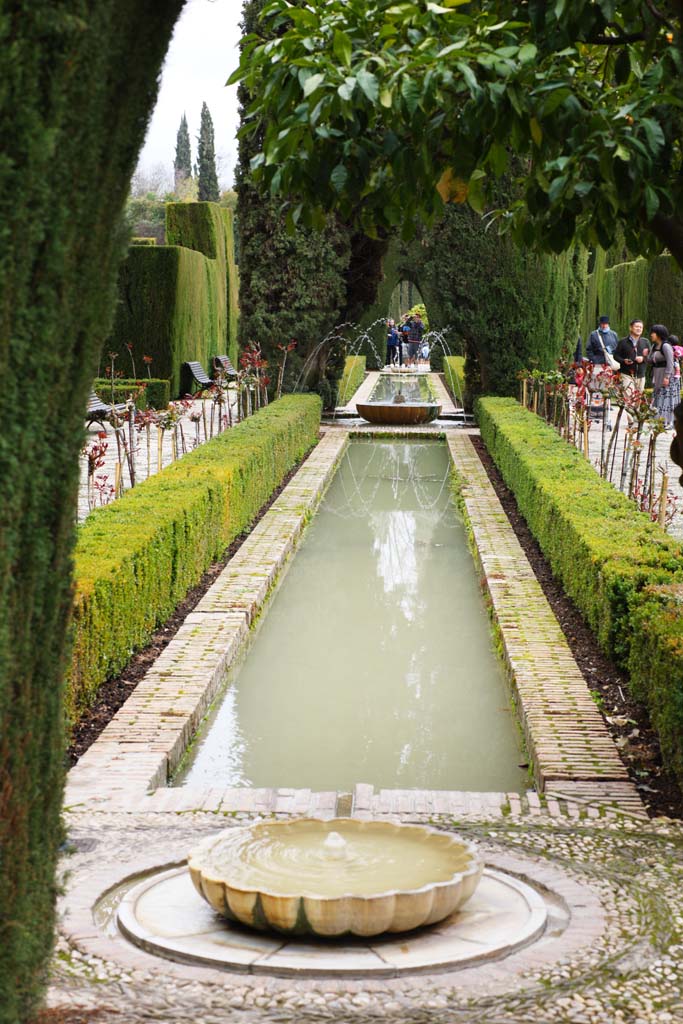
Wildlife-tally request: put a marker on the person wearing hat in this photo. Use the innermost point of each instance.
(600, 339)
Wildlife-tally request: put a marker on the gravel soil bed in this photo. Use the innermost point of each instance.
(114, 693)
(626, 720)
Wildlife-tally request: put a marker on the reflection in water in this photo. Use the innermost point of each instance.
(374, 663)
(414, 388)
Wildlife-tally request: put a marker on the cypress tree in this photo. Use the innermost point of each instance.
(78, 83)
(206, 157)
(182, 165)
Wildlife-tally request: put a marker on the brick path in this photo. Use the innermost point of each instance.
(565, 733)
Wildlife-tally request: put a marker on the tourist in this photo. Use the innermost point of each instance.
(601, 340)
(631, 354)
(665, 391)
(415, 339)
(393, 345)
(406, 328)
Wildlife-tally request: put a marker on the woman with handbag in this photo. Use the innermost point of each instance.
(665, 389)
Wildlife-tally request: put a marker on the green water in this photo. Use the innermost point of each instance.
(375, 662)
(413, 387)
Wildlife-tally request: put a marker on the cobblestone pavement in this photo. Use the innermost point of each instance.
(621, 962)
(191, 432)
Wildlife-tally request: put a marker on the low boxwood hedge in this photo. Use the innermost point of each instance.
(454, 375)
(623, 571)
(151, 393)
(354, 373)
(136, 559)
(656, 666)
(602, 548)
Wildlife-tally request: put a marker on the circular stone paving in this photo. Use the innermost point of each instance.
(165, 915)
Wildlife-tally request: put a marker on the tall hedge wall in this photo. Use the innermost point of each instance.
(651, 289)
(178, 302)
(623, 571)
(78, 83)
(136, 559)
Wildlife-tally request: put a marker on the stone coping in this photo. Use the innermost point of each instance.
(566, 736)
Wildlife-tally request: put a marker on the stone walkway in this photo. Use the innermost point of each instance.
(663, 461)
(613, 955)
(565, 733)
(196, 428)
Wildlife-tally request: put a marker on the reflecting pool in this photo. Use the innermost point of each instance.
(375, 661)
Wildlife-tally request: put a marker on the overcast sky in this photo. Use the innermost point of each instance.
(202, 55)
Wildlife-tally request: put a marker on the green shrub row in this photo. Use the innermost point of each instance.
(151, 393)
(352, 378)
(178, 302)
(611, 559)
(143, 240)
(454, 374)
(136, 559)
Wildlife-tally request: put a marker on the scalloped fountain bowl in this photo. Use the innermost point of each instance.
(332, 878)
(404, 414)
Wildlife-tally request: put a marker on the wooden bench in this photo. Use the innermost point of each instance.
(222, 364)
(99, 411)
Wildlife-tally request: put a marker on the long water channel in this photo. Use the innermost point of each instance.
(375, 662)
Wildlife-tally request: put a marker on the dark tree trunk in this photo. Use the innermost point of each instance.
(78, 79)
(669, 231)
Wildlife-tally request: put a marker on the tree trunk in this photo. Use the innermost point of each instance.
(79, 79)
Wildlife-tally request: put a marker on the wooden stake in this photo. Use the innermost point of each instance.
(586, 450)
(160, 449)
(662, 500)
(118, 490)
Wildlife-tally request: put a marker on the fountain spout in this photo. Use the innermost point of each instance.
(335, 847)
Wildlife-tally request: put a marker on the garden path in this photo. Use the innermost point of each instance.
(663, 462)
(194, 424)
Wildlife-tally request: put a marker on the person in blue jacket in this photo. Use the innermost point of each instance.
(393, 345)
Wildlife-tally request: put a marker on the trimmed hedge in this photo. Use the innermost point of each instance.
(178, 302)
(143, 240)
(354, 374)
(656, 666)
(651, 289)
(454, 373)
(598, 544)
(155, 393)
(136, 559)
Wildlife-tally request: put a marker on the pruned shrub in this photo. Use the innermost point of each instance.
(136, 559)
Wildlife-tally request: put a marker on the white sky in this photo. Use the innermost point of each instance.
(202, 55)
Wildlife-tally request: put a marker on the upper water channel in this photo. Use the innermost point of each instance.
(375, 661)
(413, 388)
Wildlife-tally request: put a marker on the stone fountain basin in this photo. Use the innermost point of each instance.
(278, 875)
(399, 413)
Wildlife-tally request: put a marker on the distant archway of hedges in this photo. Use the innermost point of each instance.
(511, 308)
